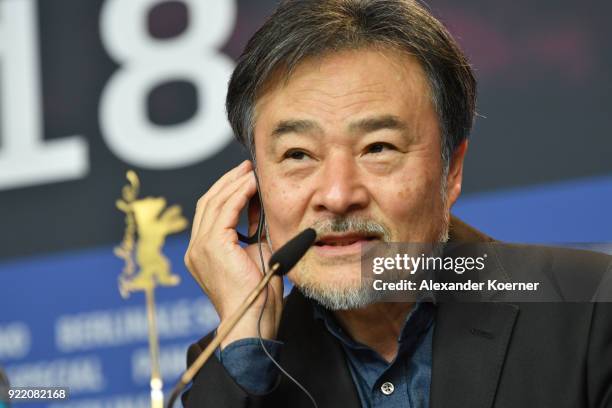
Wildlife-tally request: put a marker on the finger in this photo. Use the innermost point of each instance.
(210, 214)
(227, 178)
(218, 204)
(228, 214)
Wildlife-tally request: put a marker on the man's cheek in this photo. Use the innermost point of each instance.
(283, 221)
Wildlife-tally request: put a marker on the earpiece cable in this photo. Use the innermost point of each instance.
(260, 226)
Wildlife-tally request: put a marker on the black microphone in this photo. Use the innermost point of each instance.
(290, 253)
(280, 264)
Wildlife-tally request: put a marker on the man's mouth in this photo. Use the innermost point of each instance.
(342, 244)
(342, 240)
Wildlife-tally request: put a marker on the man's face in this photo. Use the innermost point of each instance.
(351, 145)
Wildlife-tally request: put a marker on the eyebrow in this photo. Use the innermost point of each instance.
(366, 125)
(295, 126)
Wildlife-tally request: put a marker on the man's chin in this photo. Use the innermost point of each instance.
(339, 297)
(344, 274)
(348, 260)
(333, 282)
(335, 287)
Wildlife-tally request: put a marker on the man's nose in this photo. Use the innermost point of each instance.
(340, 187)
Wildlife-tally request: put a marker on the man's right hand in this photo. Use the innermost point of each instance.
(226, 271)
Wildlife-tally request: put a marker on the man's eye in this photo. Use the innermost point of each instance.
(295, 155)
(378, 147)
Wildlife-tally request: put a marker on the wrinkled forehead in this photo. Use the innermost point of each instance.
(341, 85)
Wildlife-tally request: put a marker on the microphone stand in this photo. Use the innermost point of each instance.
(280, 263)
(222, 332)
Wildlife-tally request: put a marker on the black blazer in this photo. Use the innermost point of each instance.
(494, 354)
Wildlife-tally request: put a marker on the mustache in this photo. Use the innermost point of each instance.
(353, 225)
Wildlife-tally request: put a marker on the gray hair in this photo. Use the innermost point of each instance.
(299, 29)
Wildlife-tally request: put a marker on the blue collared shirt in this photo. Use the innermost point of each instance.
(404, 382)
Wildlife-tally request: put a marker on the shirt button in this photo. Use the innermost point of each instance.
(387, 388)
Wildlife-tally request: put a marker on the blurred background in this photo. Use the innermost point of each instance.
(90, 89)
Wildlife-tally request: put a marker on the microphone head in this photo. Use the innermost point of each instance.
(290, 253)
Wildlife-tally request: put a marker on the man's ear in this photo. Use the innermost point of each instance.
(455, 173)
(253, 213)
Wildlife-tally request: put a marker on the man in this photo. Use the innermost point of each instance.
(357, 114)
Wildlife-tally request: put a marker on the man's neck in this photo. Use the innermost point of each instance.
(378, 326)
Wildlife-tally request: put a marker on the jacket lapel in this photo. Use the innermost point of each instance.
(326, 376)
(469, 349)
(470, 343)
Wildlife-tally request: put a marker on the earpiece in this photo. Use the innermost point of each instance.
(247, 240)
(253, 239)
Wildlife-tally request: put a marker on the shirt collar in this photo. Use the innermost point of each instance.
(417, 323)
